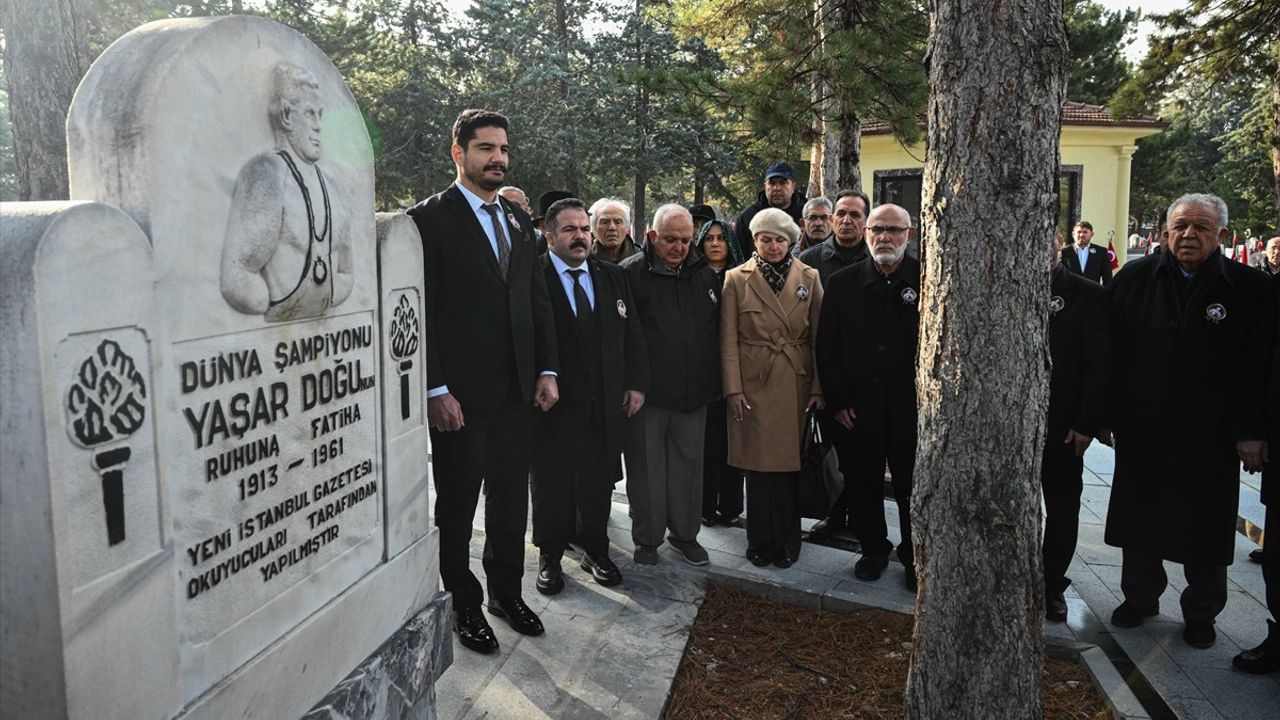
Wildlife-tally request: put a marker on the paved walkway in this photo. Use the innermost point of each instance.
(613, 652)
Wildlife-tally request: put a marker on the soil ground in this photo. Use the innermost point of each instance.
(754, 658)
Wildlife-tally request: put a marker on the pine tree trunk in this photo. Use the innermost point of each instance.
(842, 129)
(43, 64)
(996, 75)
(817, 95)
(1275, 132)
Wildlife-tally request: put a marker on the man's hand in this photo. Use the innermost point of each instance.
(815, 401)
(546, 392)
(846, 417)
(1080, 440)
(444, 413)
(1253, 453)
(632, 401)
(738, 406)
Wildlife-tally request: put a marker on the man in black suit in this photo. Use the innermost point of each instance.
(1086, 259)
(491, 358)
(604, 374)
(1080, 346)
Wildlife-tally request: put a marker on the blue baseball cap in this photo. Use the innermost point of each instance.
(779, 169)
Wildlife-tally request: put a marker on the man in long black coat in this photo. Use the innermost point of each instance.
(1086, 259)
(1180, 432)
(866, 353)
(491, 357)
(1080, 346)
(604, 374)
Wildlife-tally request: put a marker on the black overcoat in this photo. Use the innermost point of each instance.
(481, 329)
(1080, 345)
(1097, 268)
(620, 362)
(1179, 413)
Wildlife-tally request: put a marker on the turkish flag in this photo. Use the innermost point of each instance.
(1111, 252)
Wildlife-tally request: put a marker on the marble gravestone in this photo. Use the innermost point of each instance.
(260, 453)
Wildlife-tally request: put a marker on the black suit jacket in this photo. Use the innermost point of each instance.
(618, 362)
(483, 333)
(1097, 268)
(1080, 346)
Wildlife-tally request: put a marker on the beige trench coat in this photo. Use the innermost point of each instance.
(766, 346)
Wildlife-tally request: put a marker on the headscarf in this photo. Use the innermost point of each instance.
(734, 258)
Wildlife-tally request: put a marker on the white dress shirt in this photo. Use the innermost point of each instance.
(486, 221)
(1083, 254)
(566, 281)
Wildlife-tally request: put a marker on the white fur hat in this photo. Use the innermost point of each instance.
(777, 222)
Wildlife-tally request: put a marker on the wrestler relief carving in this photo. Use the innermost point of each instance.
(287, 250)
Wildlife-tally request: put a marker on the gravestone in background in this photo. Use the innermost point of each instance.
(275, 392)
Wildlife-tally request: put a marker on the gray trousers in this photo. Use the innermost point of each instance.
(664, 473)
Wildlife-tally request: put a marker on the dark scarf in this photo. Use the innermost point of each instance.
(776, 275)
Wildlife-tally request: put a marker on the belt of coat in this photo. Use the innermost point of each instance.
(786, 348)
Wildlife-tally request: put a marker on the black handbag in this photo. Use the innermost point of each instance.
(814, 495)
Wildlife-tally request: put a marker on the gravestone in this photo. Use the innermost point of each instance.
(274, 380)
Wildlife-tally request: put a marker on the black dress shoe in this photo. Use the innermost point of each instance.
(730, 520)
(602, 569)
(1055, 607)
(909, 577)
(1199, 634)
(869, 568)
(474, 631)
(550, 577)
(708, 520)
(1256, 555)
(518, 615)
(1128, 616)
(827, 527)
(1263, 659)
(783, 560)
(758, 559)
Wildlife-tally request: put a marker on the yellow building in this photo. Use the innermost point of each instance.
(1096, 150)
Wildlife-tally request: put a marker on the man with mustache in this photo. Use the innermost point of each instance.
(1181, 434)
(779, 192)
(866, 352)
(846, 245)
(491, 359)
(604, 374)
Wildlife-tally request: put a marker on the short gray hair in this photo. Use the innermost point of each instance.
(606, 202)
(816, 202)
(1206, 199)
(665, 212)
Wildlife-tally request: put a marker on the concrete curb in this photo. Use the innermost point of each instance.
(1122, 702)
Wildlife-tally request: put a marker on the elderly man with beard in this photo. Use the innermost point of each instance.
(779, 192)
(611, 227)
(491, 359)
(677, 299)
(866, 351)
(1181, 434)
(603, 379)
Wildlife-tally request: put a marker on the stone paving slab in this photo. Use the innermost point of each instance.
(613, 652)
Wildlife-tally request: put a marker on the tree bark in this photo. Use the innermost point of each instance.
(1275, 132)
(996, 74)
(44, 62)
(818, 95)
(842, 129)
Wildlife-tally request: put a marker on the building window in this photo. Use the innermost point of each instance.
(1070, 178)
(902, 187)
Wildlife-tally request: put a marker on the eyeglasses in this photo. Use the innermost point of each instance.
(886, 230)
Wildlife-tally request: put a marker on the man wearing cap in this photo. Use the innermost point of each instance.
(702, 214)
(545, 201)
(779, 192)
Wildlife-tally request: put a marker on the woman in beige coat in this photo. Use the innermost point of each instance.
(768, 322)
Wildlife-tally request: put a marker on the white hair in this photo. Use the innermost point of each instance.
(608, 202)
(664, 213)
(1213, 201)
(816, 202)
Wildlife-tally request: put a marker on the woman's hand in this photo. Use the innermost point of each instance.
(738, 406)
(815, 401)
